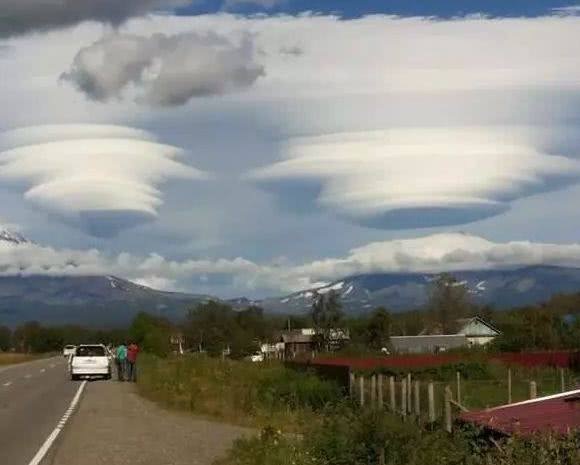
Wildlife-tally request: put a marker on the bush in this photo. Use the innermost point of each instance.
(244, 392)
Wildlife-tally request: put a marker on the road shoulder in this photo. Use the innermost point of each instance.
(115, 426)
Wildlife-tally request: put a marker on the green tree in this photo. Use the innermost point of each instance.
(151, 333)
(378, 328)
(327, 316)
(5, 338)
(448, 301)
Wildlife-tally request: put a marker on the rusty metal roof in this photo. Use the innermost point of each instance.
(559, 413)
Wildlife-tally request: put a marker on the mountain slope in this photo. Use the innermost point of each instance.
(406, 291)
(86, 300)
(83, 300)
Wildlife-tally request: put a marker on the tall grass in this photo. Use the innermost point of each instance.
(242, 392)
(12, 358)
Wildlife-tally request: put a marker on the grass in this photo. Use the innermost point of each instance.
(238, 392)
(8, 358)
(481, 386)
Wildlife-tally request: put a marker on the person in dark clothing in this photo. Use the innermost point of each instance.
(132, 353)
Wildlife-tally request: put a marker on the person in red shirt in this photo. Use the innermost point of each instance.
(132, 353)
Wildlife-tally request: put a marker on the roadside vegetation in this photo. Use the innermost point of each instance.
(239, 392)
(13, 358)
(349, 437)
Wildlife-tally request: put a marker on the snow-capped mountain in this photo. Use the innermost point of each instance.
(83, 300)
(86, 300)
(406, 291)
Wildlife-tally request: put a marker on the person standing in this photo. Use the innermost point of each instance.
(132, 353)
(121, 361)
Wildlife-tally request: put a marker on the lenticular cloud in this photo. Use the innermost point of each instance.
(102, 179)
(418, 177)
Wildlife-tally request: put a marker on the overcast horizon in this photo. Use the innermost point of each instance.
(258, 147)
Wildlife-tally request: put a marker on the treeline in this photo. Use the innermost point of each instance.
(215, 327)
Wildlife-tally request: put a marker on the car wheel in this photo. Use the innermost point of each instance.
(74, 377)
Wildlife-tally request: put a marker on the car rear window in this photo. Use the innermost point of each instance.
(90, 351)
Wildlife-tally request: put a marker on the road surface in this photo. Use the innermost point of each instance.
(111, 425)
(33, 398)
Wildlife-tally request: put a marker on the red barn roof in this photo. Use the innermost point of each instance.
(559, 413)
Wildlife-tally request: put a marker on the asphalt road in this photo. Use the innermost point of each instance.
(33, 398)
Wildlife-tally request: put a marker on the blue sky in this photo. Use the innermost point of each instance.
(354, 9)
(209, 149)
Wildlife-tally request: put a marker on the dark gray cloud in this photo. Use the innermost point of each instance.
(164, 70)
(19, 17)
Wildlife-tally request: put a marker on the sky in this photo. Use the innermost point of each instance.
(258, 147)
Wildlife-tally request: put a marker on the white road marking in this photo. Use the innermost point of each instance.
(52, 437)
(43, 370)
(28, 376)
(52, 365)
(8, 383)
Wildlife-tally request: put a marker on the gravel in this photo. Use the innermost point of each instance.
(115, 426)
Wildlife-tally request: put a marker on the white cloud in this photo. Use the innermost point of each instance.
(100, 178)
(164, 70)
(435, 253)
(24, 16)
(420, 177)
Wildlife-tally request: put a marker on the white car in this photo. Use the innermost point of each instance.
(68, 350)
(257, 357)
(90, 361)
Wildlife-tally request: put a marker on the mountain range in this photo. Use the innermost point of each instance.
(500, 288)
(108, 301)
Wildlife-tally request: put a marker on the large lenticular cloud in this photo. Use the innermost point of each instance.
(418, 177)
(102, 179)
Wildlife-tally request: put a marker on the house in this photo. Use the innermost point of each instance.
(428, 343)
(468, 332)
(559, 413)
(303, 342)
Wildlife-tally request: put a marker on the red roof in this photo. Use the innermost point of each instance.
(559, 413)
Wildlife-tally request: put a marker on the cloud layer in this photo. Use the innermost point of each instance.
(419, 177)
(100, 178)
(435, 253)
(24, 16)
(163, 70)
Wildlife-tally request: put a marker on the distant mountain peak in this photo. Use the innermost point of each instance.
(13, 237)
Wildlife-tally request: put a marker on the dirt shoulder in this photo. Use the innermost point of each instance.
(115, 426)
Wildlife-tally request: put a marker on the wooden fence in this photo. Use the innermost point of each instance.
(426, 403)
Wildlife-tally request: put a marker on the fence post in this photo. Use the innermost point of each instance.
(361, 381)
(448, 396)
(373, 390)
(404, 397)
(458, 376)
(351, 384)
(393, 398)
(409, 394)
(533, 390)
(418, 400)
(380, 391)
(509, 385)
(562, 380)
(431, 397)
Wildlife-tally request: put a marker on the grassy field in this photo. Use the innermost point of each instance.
(334, 430)
(239, 392)
(11, 359)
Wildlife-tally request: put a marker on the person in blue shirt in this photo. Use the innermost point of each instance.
(121, 361)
